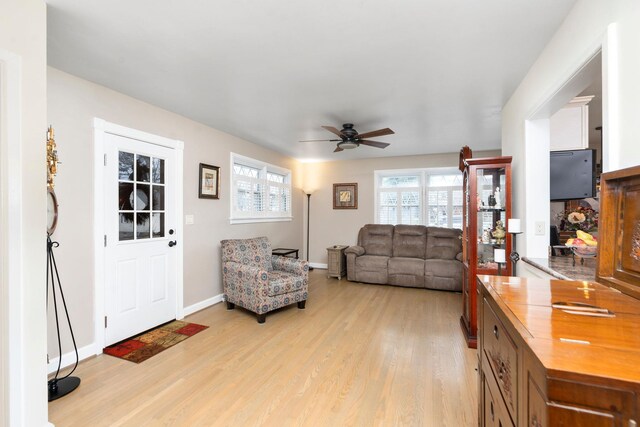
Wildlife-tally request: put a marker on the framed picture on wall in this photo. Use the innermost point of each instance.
(345, 196)
(209, 184)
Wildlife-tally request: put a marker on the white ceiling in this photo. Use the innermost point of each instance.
(273, 71)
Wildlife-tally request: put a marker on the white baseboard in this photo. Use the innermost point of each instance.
(69, 359)
(318, 265)
(203, 304)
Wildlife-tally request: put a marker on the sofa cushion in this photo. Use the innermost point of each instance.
(443, 243)
(376, 239)
(372, 269)
(406, 272)
(445, 274)
(410, 241)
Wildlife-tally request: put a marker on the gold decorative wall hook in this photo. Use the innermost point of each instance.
(52, 158)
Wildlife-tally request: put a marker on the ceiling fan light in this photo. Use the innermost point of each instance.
(348, 145)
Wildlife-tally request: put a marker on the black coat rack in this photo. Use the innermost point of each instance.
(59, 386)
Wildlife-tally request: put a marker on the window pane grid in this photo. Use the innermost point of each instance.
(141, 190)
(400, 199)
(260, 192)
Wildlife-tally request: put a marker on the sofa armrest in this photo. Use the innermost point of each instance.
(357, 250)
(459, 256)
(291, 265)
(244, 276)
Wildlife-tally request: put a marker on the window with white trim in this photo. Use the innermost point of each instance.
(259, 191)
(419, 196)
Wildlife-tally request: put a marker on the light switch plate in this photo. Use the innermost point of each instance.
(540, 226)
(188, 219)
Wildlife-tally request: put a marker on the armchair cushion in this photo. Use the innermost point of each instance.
(282, 282)
(256, 252)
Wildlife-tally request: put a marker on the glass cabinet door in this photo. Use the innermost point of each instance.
(491, 216)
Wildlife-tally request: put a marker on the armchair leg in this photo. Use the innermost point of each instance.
(262, 317)
(301, 304)
(230, 305)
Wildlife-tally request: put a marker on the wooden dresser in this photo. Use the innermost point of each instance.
(546, 366)
(567, 353)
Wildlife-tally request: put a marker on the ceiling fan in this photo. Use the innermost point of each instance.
(350, 138)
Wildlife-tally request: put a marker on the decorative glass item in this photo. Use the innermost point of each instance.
(498, 196)
(491, 201)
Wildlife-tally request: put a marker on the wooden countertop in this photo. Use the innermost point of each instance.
(593, 346)
(562, 267)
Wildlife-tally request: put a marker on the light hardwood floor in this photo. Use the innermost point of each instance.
(358, 355)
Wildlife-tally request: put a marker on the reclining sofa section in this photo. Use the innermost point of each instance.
(407, 255)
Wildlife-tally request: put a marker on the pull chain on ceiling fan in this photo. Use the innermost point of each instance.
(350, 138)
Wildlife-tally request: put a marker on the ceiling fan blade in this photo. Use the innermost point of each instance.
(374, 143)
(338, 149)
(379, 132)
(333, 130)
(321, 140)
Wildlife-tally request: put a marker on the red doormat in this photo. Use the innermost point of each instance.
(142, 347)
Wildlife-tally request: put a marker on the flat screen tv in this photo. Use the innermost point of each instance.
(572, 174)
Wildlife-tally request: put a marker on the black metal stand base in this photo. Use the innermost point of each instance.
(62, 387)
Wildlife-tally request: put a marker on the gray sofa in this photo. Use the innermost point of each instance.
(407, 255)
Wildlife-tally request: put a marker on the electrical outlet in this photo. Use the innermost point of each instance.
(188, 219)
(540, 225)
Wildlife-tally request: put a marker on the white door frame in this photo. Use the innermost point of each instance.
(102, 127)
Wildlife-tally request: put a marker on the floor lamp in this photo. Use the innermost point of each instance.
(308, 223)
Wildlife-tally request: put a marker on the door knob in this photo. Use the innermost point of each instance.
(172, 243)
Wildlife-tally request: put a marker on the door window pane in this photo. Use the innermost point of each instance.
(142, 226)
(158, 198)
(125, 166)
(143, 168)
(141, 197)
(125, 196)
(157, 220)
(125, 231)
(158, 171)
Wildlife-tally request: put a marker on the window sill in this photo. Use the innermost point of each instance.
(252, 220)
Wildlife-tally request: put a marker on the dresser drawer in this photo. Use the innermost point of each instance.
(495, 412)
(502, 355)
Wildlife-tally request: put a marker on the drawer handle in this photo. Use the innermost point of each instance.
(491, 411)
(495, 331)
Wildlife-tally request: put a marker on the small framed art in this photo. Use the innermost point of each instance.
(345, 196)
(209, 184)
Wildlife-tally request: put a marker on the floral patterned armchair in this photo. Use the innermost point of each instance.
(254, 279)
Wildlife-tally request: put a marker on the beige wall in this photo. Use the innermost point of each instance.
(73, 103)
(23, 323)
(582, 32)
(340, 226)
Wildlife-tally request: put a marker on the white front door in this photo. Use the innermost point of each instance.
(140, 236)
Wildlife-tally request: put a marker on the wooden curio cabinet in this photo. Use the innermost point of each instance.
(485, 210)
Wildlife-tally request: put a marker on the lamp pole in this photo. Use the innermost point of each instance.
(308, 224)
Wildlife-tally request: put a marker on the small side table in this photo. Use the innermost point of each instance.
(285, 252)
(337, 261)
